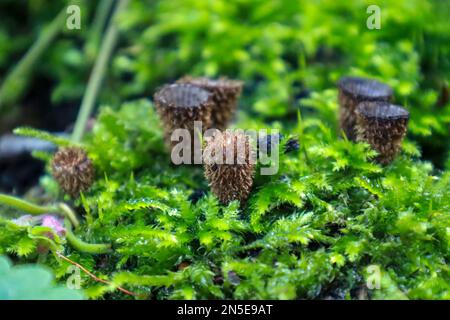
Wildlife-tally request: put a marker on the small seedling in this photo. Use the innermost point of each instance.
(383, 126)
(225, 96)
(230, 181)
(352, 91)
(179, 105)
(73, 170)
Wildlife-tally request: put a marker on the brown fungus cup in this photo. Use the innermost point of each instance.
(180, 105)
(225, 93)
(352, 91)
(73, 170)
(383, 126)
(229, 162)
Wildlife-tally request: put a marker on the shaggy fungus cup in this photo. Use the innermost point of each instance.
(229, 162)
(383, 126)
(352, 91)
(225, 96)
(73, 170)
(179, 105)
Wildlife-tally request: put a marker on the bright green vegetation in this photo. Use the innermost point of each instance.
(30, 282)
(314, 229)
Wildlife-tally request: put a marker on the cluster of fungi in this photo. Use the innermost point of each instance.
(213, 102)
(366, 114)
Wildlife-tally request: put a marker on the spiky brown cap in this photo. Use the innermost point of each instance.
(352, 91)
(225, 92)
(230, 178)
(73, 170)
(179, 105)
(383, 126)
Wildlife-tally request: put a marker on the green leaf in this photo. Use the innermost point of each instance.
(31, 282)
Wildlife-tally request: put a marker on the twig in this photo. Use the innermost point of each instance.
(93, 276)
(97, 74)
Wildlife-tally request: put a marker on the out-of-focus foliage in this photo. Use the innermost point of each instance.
(330, 215)
(31, 282)
(283, 50)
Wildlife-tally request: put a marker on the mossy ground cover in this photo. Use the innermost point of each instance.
(319, 227)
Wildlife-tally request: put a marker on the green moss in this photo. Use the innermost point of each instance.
(309, 232)
(330, 214)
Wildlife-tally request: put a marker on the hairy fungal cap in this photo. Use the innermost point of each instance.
(180, 105)
(383, 126)
(230, 181)
(182, 96)
(211, 84)
(365, 89)
(382, 111)
(225, 96)
(73, 170)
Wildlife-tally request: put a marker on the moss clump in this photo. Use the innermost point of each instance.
(383, 126)
(352, 91)
(314, 230)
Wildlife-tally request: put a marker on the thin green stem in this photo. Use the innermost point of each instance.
(97, 27)
(60, 209)
(70, 219)
(82, 246)
(301, 131)
(98, 74)
(16, 81)
(25, 206)
(69, 214)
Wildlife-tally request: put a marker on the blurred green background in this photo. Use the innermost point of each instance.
(283, 50)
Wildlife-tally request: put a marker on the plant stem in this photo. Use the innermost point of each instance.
(82, 246)
(97, 27)
(25, 206)
(301, 131)
(69, 214)
(93, 276)
(97, 74)
(34, 209)
(16, 81)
